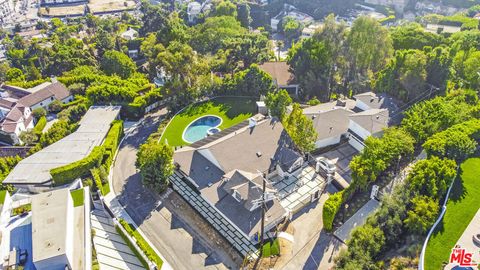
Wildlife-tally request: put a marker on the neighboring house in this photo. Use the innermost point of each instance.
(130, 34)
(290, 11)
(161, 78)
(193, 10)
(441, 28)
(41, 96)
(353, 120)
(399, 5)
(283, 78)
(17, 104)
(229, 172)
(33, 173)
(6, 9)
(54, 235)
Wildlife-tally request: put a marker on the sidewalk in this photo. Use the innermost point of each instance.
(117, 209)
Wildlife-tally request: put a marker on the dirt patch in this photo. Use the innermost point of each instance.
(73, 10)
(105, 6)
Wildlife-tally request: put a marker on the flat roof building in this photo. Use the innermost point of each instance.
(33, 172)
(52, 229)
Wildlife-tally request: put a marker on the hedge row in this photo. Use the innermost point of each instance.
(41, 123)
(100, 156)
(113, 137)
(330, 209)
(72, 171)
(144, 246)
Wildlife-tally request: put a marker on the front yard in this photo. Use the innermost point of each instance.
(462, 206)
(232, 110)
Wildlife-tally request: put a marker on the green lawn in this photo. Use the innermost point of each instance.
(463, 204)
(78, 197)
(232, 110)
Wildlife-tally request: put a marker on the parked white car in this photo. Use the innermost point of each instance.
(325, 165)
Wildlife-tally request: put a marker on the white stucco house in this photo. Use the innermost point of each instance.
(17, 104)
(352, 120)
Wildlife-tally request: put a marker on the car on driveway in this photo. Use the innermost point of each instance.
(325, 165)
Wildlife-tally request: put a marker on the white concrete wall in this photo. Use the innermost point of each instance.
(360, 131)
(327, 141)
(69, 238)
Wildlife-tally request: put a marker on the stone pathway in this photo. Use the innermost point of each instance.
(112, 252)
(213, 216)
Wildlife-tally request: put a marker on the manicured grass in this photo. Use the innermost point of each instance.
(271, 248)
(232, 110)
(78, 197)
(144, 246)
(462, 206)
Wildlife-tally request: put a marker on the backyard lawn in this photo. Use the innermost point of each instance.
(463, 204)
(232, 110)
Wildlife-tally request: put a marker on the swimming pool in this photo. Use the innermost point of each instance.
(199, 128)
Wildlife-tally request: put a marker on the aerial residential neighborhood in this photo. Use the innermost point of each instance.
(234, 134)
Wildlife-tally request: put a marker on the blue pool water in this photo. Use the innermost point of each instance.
(197, 130)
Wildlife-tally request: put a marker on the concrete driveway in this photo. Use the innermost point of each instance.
(341, 156)
(313, 248)
(175, 229)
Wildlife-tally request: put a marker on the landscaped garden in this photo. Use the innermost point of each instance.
(462, 206)
(231, 111)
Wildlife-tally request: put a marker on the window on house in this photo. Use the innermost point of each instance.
(237, 195)
(51, 98)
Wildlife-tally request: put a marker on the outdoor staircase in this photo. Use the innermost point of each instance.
(221, 224)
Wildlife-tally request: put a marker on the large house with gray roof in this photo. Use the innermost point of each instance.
(353, 119)
(229, 173)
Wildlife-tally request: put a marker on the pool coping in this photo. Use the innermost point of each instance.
(185, 129)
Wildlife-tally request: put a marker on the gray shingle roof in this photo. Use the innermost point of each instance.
(56, 90)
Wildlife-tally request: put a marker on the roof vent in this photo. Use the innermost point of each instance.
(378, 117)
(259, 154)
(210, 184)
(206, 168)
(314, 116)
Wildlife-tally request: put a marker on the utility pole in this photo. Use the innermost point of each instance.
(262, 228)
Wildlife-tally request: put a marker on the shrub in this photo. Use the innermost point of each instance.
(41, 123)
(330, 209)
(55, 106)
(70, 172)
(39, 112)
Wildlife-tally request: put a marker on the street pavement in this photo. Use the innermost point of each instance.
(176, 238)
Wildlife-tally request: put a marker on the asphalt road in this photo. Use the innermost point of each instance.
(177, 237)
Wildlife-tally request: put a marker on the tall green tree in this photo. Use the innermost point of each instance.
(369, 48)
(301, 130)
(423, 214)
(155, 162)
(114, 62)
(277, 102)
